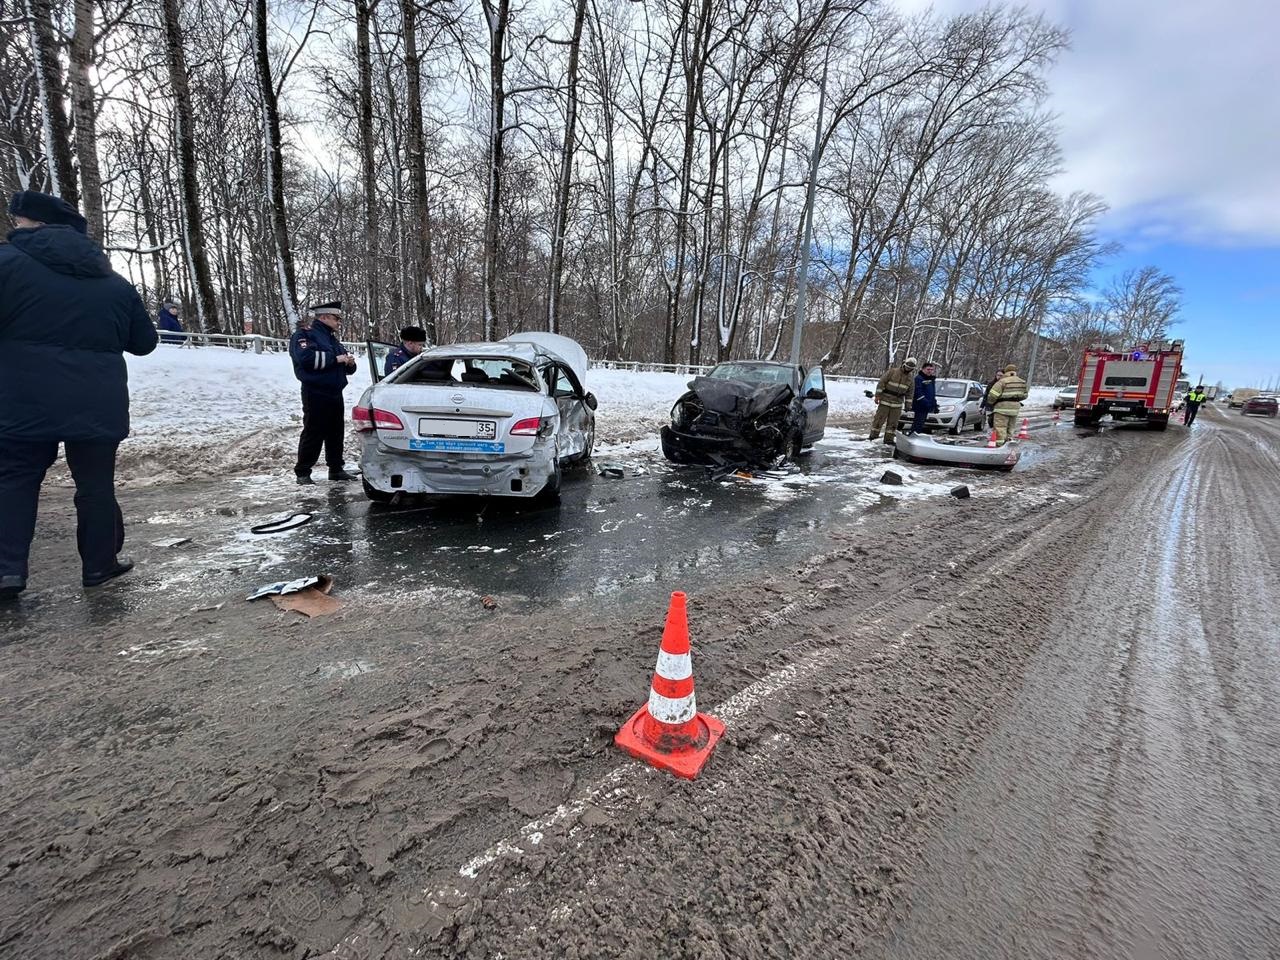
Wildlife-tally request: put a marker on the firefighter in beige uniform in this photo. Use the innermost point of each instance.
(894, 388)
(1006, 398)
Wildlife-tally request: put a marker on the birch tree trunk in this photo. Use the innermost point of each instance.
(364, 70)
(193, 218)
(419, 217)
(561, 215)
(272, 146)
(49, 80)
(83, 111)
(497, 17)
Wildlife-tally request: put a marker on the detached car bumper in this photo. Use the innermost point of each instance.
(393, 471)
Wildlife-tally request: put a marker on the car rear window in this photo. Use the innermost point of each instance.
(502, 373)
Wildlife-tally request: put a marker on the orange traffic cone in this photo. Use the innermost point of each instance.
(1022, 434)
(668, 732)
(991, 441)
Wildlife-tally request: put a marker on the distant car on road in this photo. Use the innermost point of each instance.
(1238, 398)
(959, 407)
(1261, 407)
(1065, 399)
(488, 418)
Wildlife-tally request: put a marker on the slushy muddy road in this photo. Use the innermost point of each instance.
(1037, 723)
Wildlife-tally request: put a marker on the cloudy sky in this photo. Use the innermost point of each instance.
(1171, 111)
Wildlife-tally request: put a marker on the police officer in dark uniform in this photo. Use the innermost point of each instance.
(65, 320)
(412, 340)
(322, 364)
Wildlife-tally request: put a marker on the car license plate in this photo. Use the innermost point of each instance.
(458, 446)
(462, 429)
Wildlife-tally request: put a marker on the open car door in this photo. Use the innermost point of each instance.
(813, 394)
(377, 353)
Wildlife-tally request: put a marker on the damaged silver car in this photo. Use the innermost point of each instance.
(499, 419)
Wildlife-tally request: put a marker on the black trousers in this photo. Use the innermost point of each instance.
(99, 525)
(323, 424)
(1189, 415)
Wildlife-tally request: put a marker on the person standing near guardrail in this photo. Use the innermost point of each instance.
(321, 364)
(168, 323)
(66, 319)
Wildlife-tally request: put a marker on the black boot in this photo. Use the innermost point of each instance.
(340, 474)
(304, 479)
(122, 566)
(10, 587)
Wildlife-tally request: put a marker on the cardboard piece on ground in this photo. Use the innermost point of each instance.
(311, 601)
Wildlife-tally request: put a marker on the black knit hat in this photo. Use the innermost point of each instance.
(46, 208)
(413, 335)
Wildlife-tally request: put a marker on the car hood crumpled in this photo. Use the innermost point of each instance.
(740, 398)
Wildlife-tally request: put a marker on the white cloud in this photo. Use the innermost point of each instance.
(1169, 110)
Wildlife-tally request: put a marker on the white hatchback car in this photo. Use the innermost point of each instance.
(959, 406)
(498, 419)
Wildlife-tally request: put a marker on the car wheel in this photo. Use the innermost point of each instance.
(957, 427)
(377, 496)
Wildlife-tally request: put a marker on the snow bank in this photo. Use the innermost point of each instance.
(216, 411)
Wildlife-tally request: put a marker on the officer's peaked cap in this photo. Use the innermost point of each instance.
(333, 309)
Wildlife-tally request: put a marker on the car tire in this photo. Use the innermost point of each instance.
(374, 494)
(957, 427)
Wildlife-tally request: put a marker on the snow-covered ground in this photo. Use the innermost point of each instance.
(214, 411)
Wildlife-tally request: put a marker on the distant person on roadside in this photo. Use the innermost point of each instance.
(924, 398)
(321, 363)
(986, 398)
(412, 340)
(1195, 397)
(1006, 396)
(893, 390)
(167, 321)
(66, 319)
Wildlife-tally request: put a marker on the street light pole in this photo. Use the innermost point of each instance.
(802, 282)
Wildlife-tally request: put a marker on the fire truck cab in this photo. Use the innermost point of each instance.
(1137, 384)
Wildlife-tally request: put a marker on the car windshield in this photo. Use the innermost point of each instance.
(952, 388)
(751, 373)
(503, 373)
(1068, 390)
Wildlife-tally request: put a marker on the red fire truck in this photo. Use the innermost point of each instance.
(1137, 384)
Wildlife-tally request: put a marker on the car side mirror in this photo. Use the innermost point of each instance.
(816, 393)
(591, 401)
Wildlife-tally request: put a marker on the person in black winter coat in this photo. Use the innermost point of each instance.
(924, 399)
(168, 322)
(65, 321)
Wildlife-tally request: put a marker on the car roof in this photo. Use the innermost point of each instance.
(518, 351)
(760, 363)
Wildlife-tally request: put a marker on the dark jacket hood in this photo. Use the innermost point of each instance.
(63, 250)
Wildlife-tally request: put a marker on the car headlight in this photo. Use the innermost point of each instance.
(947, 408)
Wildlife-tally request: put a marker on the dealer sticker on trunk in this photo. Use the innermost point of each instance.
(459, 446)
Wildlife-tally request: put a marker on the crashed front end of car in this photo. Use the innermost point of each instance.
(733, 423)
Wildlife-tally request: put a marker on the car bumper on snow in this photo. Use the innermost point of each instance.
(393, 471)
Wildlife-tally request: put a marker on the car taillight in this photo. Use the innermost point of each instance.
(371, 419)
(526, 428)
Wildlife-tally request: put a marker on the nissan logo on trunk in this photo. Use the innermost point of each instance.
(457, 398)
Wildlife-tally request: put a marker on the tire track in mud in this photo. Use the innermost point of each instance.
(453, 917)
(1135, 818)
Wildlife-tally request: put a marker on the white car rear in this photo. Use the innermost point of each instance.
(498, 419)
